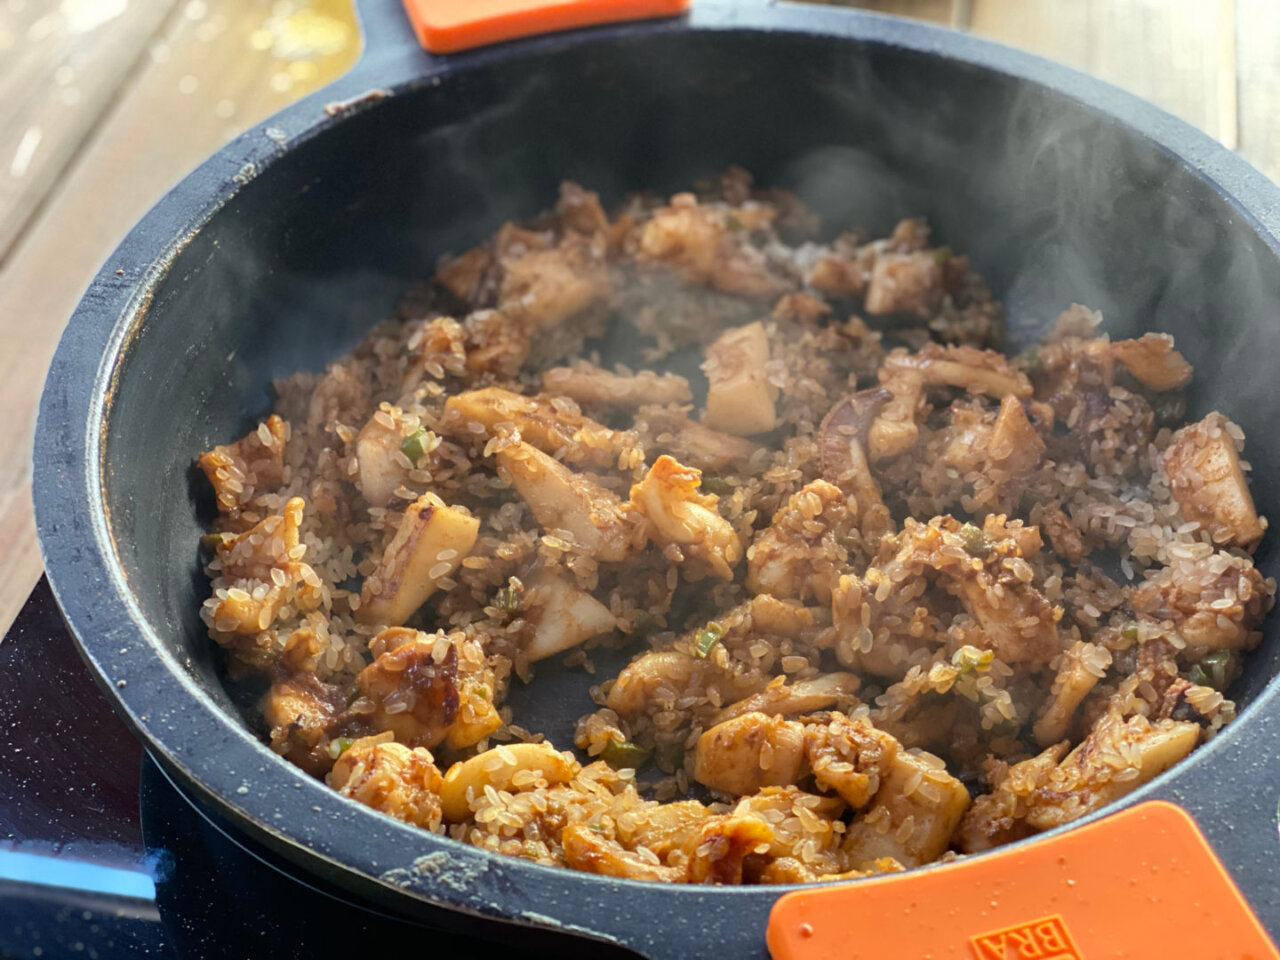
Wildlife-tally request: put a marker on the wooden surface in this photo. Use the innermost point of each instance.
(125, 96)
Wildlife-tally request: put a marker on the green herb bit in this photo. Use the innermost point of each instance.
(976, 543)
(717, 485)
(1130, 631)
(707, 638)
(733, 223)
(1197, 676)
(622, 753)
(969, 658)
(414, 445)
(340, 746)
(509, 598)
(1214, 667)
(942, 255)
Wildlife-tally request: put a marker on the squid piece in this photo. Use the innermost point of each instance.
(1153, 361)
(391, 778)
(560, 615)
(586, 383)
(519, 766)
(691, 442)
(564, 500)
(699, 241)
(679, 515)
(740, 396)
(1115, 759)
(550, 425)
(741, 755)
(430, 543)
(252, 464)
(915, 812)
(411, 691)
(782, 699)
(1083, 665)
(1209, 482)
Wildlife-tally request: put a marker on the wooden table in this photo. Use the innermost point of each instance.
(106, 103)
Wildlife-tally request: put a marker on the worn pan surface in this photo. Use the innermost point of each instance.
(283, 248)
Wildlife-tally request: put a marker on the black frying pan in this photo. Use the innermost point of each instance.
(284, 247)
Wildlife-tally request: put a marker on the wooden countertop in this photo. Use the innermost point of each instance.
(106, 103)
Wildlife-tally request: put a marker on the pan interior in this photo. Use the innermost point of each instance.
(1054, 202)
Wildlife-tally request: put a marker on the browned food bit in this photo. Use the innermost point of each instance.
(580, 210)
(412, 691)
(849, 756)
(1115, 759)
(253, 464)
(302, 712)
(708, 245)
(842, 443)
(798, 556)
(751, 751)
(266, 574)
(1208, 481)
(971, 369)
(431, 540)
(515, 767)
(584, 382)
(1000, 816)
(391, 778)
(740, 394)
(680, 516)
(1015, 444)
(545, 287)
(1153, 361)
(905, 282)
(782, 699)
(1216, 602)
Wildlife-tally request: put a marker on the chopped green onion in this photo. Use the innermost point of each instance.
(509, 598)
(414, 445)
(969, 658)
(732, 222)
(976, 543)
(623, 753)
(942, 255)
(212, 541)
(707, 638)
(1130, 631)
(340, 746)
(1197, 676)
(1214, 668)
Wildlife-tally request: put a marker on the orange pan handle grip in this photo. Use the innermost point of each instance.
(1141, 884)
(450, 26)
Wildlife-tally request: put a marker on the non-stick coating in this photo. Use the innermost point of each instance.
(868, 119)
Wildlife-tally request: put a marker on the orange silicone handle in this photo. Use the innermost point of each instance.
(1142, 884)
(448, 26)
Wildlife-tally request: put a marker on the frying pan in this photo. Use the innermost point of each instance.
(278, 252)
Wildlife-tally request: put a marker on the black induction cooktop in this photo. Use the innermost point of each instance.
(103, 856)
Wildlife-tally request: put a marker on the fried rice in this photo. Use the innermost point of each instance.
(892, 596)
